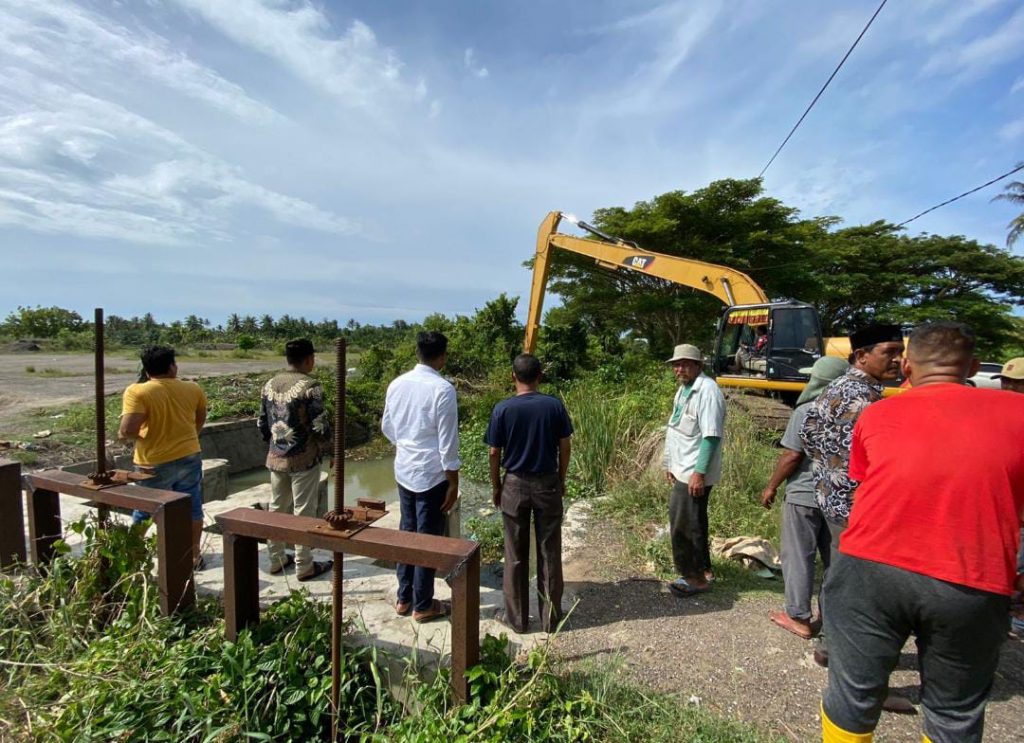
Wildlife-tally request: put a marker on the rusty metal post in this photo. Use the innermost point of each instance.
(241, 584)
(100, 476)
(174, 556)
(465, 585)
(101, 409)
(12, 515)
(44, 526)
(340, 370)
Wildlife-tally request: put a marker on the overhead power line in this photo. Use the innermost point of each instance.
(965, 193)
(830, 77)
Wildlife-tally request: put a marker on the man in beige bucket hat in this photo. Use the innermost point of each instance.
(1012, 376)
(693, 464)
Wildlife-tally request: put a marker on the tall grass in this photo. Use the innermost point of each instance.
(86, 657)
(616, 431)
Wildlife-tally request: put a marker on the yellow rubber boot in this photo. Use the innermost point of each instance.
(832, 733)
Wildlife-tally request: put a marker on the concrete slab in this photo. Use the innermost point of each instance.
(369, 587)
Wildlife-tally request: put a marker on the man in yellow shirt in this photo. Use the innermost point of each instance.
(164, 416)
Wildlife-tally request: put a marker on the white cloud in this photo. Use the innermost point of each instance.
(73, 163)
(73, 42)
(353, 66)
(1018, 86)
(970, 60)
(1013, 130)
(473, 65)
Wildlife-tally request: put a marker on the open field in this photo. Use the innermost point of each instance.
(60, 379)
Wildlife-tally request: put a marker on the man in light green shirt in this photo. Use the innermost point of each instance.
(693, 464)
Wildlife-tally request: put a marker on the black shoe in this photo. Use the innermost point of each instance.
(821, 657)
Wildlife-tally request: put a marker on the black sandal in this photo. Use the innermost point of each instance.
(319, 568)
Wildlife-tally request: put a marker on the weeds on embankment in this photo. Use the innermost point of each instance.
(86, 656)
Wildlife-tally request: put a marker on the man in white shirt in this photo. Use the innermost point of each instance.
(693, 464)
(421, 419)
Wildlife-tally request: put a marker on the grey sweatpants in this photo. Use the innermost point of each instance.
(804, 534)
(873, 609)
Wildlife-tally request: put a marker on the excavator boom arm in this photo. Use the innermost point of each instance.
(730, 286)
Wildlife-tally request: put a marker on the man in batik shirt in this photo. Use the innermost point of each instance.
(827, 432)
(294, 422)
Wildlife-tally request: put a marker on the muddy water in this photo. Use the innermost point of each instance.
(368, 478)
(371, 478)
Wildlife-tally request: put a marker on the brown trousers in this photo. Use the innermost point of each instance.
(540, 496)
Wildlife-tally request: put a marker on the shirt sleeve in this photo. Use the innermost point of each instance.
(858, 454)
(319, 421)
(711, 412)
(791, 438)
(132, 402)
(495, 433)
(201, 403)
(448, 430)
(387, 425)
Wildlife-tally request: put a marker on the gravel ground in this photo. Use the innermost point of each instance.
(22, 391)
(721, 652)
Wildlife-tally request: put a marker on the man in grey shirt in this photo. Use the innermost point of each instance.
(804, 530)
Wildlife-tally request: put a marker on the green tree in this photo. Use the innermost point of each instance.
(42, 322)
(853, 274)
(1014, 193)
(729, 222)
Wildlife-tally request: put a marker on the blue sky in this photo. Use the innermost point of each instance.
(383, 160)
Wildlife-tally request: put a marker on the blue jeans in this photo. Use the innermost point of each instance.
(420, 512)
(183, 475)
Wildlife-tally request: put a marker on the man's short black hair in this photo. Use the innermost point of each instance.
(946, 343)
(298, 350)
(157, 360)
(431, 345)
(526, 368)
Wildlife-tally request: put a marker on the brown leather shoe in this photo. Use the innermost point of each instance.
(437, 610)
(799, 627)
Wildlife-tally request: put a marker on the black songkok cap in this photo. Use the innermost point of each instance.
(872, 334)
(298, 349)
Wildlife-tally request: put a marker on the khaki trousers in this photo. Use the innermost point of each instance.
(298, 493)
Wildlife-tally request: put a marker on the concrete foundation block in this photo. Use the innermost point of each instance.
(215, 479)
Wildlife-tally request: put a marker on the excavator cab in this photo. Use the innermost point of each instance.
(772, 341)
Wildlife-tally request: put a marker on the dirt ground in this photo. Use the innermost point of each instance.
(22, 391)
(721, 652)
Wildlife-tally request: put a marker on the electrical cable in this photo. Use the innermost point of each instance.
(830, 77)
(965, 193)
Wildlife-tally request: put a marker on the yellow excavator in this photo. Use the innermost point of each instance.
(760, 344)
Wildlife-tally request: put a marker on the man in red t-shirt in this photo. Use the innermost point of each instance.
(931, 545)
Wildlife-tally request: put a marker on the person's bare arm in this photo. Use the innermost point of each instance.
(494, 461)
(786, 465)
(452, 493)
(564, 453)
(131, 424)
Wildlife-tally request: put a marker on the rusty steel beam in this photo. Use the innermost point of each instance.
(171, 512)
(12, 515)
(465, 583)
(44, 527)
(443, 554)
(241, 584)
(175, 562)
(457, 559)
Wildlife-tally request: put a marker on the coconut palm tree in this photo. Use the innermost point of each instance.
(1014, 192)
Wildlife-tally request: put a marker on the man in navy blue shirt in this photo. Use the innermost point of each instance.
(529, 436)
